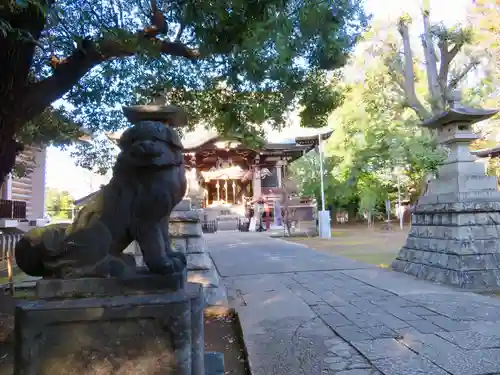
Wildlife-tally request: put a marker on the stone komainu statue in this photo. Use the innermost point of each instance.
(148, 181)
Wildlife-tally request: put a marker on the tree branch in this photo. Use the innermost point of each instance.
(447, 56)
(409, 80)
(460, 76)
(437, 100)
(89, 54)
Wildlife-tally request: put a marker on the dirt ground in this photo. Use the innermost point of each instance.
(370, 245)
(222, 334)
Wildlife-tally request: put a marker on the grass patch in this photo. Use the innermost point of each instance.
(361, 244)
(18, 277)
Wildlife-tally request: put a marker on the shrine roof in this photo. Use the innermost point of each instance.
(195, 141)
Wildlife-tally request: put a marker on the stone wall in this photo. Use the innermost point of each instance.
(187, 236)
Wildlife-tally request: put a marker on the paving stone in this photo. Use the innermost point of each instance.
(472, 340)
(403, 314)
(343, 350)
(352, 333)
(355, 372)
(338, 366)
(334, 300)
(447, 323)
(335, 319)
(410, 364)
(381, 331)
(452, 358)
(390, 320)
(393, 301)
(380, 348)
(425, 326)
(323, 309)
(333, 341)
(420, 311)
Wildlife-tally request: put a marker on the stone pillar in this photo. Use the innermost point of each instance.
(187, 236)
(225, 190)
(280, 175)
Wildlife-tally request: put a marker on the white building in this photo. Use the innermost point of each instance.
(24, 198)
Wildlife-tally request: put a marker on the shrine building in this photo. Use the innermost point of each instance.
(226, 172)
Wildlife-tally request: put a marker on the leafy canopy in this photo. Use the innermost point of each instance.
(231, 64)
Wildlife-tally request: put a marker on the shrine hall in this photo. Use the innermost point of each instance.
(233, 174)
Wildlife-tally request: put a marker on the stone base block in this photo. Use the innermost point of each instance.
(473, 280)
(207, 278)
(215, 296)
(199, 261)
(458, 248)
(151, 334)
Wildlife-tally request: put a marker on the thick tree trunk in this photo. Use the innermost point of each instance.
(9, 149)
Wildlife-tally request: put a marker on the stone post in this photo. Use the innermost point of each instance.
(455, 233)
(187, 236)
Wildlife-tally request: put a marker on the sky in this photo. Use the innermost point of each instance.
(63, 174)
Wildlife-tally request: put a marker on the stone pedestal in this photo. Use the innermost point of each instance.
(141, 325)
(455, 233)
(187, 236)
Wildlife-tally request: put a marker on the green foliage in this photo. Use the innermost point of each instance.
(373, 133)
(59, 204)
(258, 59)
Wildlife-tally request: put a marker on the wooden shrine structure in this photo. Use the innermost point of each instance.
(231, 173)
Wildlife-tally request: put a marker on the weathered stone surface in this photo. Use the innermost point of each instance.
(455, 248)
(187, 238)
(133, 206)
(183, 205)
(199, 261)
(215, 296)
(179, 244)
(195, 245)
(100, 287)
(185, 229)
(279, 313)
(207, 278)
(101, 335)
(186, 216)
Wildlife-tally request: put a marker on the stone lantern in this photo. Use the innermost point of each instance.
(455, 233)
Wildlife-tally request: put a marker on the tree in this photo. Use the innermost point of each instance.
(442, 81)
(233, 64)
(59, 204)
(289, 188)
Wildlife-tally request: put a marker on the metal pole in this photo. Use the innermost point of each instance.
(320, 149)
(399, 205)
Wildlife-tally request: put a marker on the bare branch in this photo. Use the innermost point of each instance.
(460, 76)
(408, 73)
(435, 92)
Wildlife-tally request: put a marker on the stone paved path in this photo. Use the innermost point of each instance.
(304, 312)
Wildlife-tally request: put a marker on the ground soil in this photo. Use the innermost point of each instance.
(222, 334)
